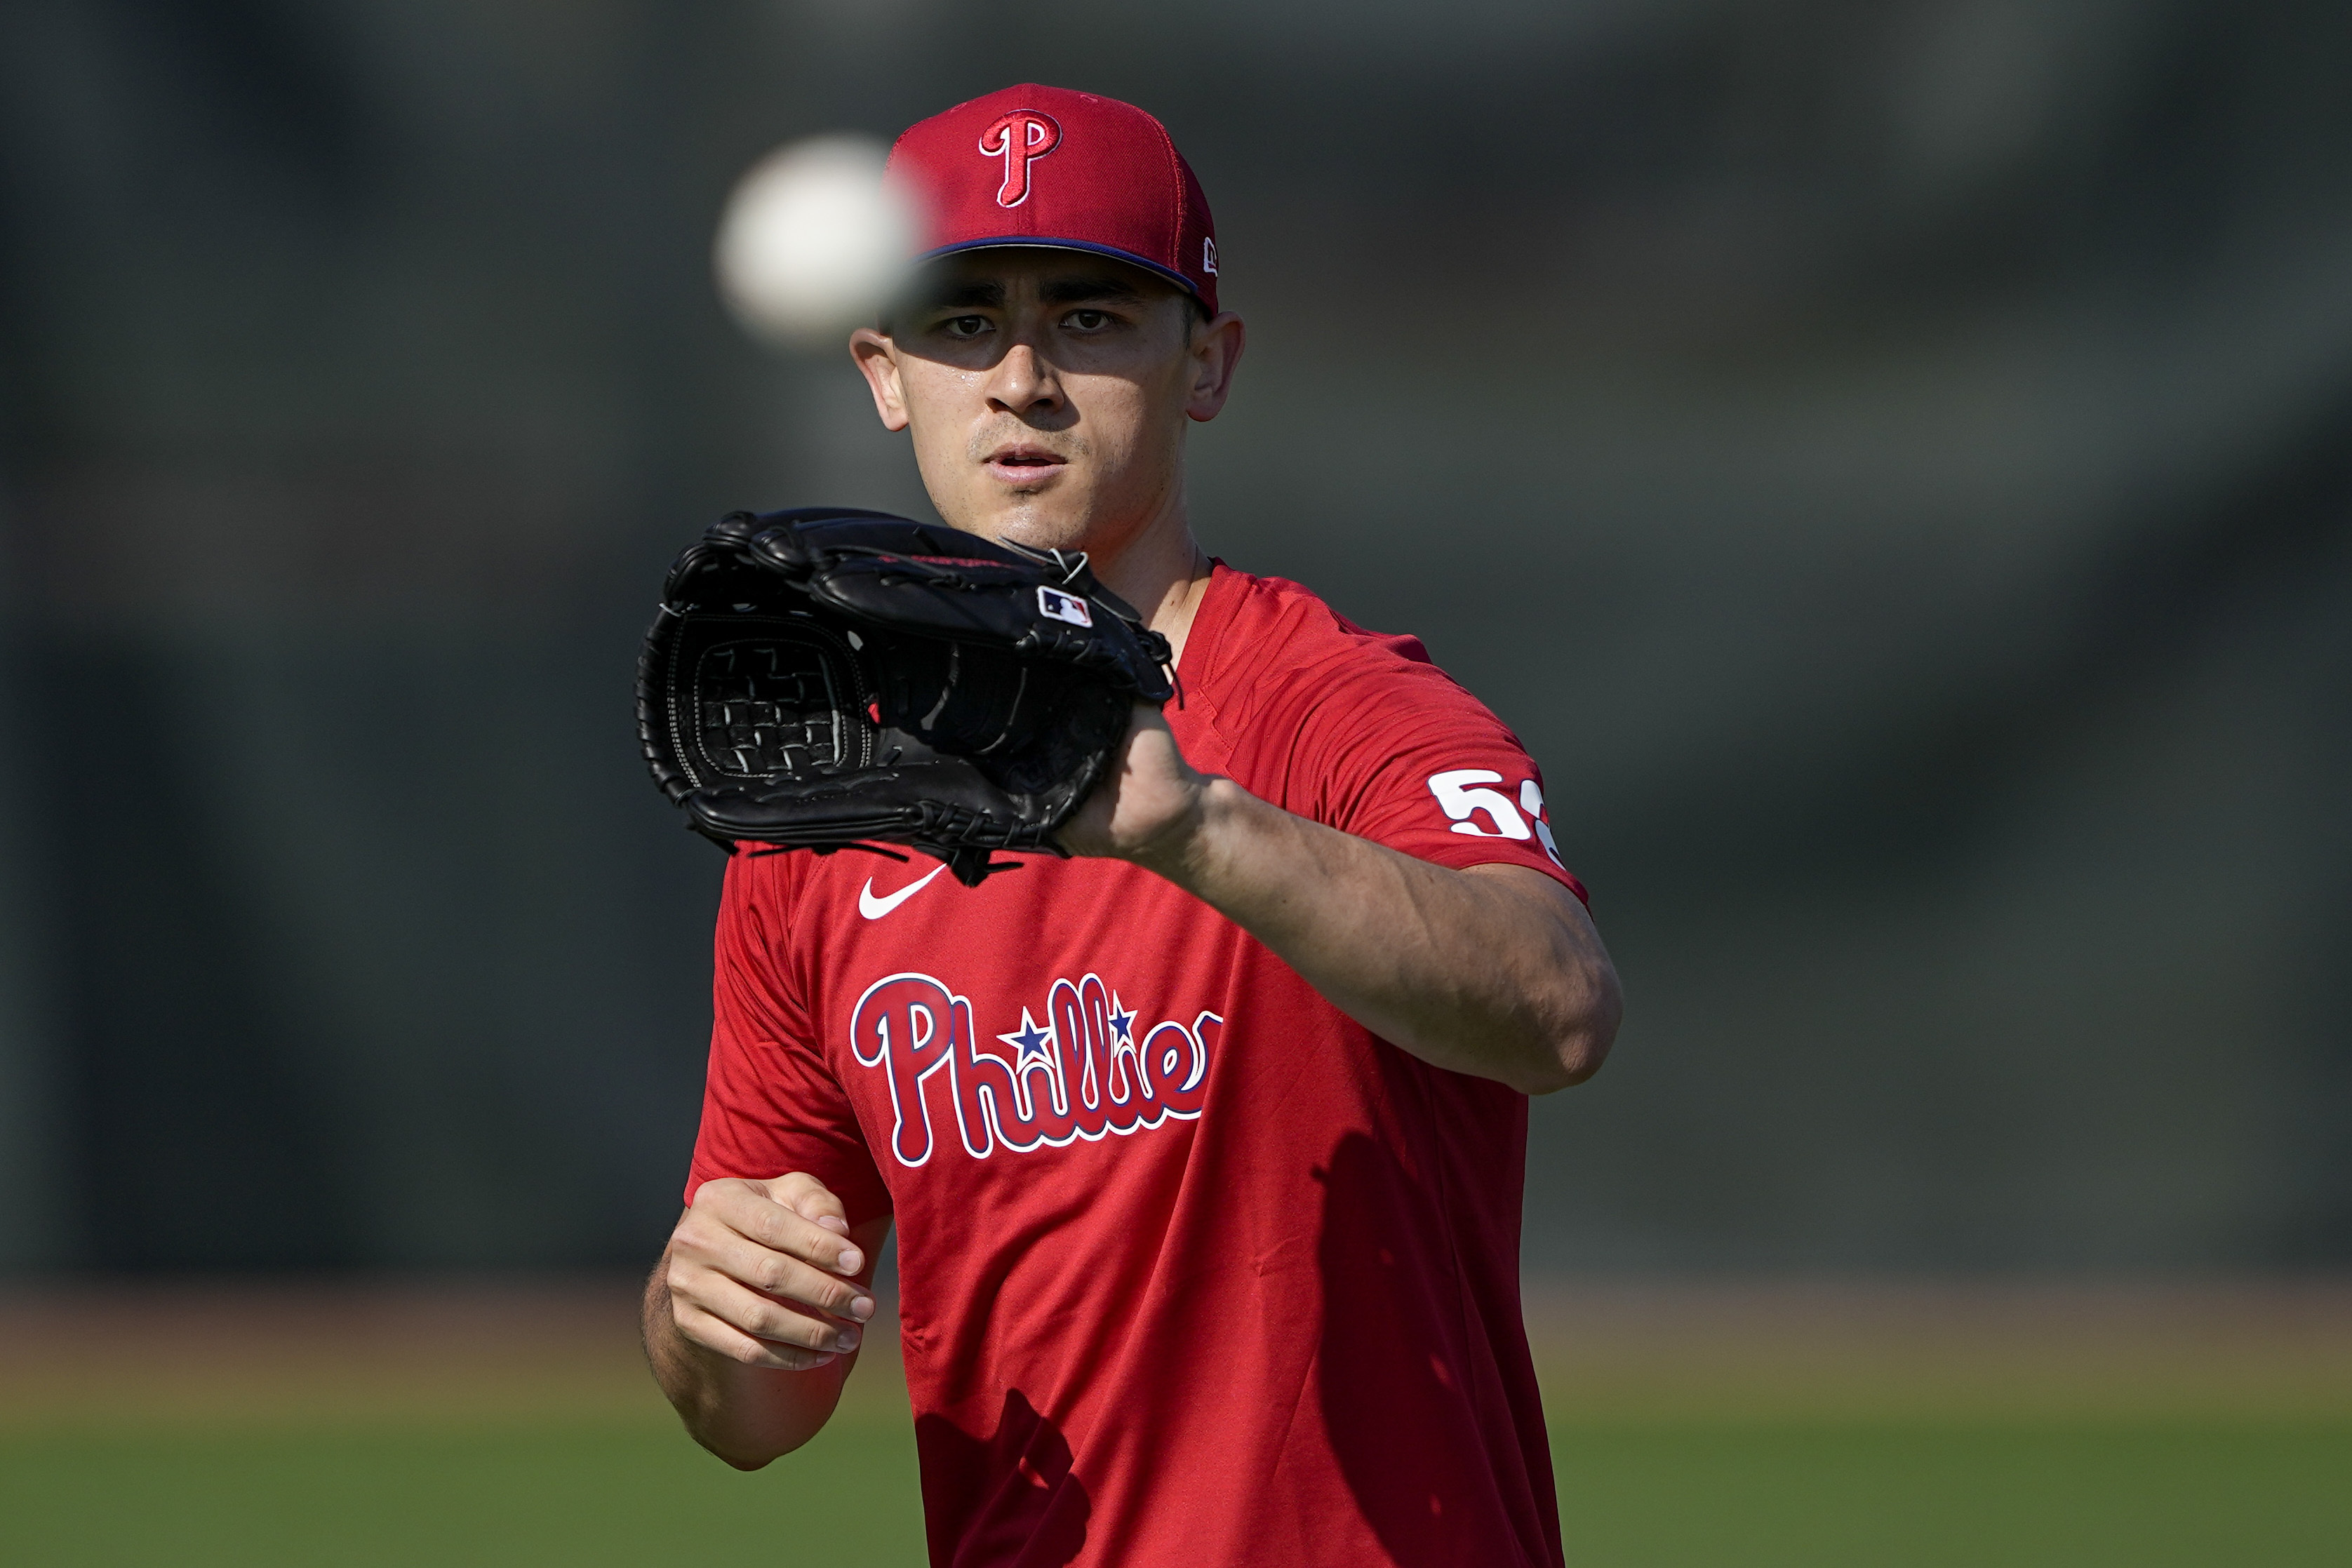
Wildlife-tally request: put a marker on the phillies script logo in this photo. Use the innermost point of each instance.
(1086, 1070)
(1020, 138)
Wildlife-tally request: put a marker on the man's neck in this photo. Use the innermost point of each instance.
(1164, 574)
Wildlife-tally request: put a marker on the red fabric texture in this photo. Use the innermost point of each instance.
(1194, 1269)
(1044, 165)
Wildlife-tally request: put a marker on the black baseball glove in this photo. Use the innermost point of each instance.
(825, 678)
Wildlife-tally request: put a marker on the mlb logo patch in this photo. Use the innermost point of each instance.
(1055, 605)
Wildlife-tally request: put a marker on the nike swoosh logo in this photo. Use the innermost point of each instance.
(875, 908)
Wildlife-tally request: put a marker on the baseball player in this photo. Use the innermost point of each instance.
(1204, 1146)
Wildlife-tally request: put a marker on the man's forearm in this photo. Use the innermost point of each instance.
(745, 1414)
(1495, 972)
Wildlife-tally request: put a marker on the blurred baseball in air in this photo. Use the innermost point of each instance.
(814, 241)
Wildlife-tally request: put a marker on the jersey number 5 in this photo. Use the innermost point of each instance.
(1461, 799)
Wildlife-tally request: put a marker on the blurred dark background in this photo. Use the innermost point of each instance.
(1893, 462)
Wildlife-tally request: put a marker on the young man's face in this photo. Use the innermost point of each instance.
(1047, 393)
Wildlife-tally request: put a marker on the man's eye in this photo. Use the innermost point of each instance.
(1089, 321)
(964, 326)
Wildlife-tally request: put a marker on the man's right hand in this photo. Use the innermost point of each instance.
(765, 1273)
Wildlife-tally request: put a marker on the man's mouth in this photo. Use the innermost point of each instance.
(1023, 464)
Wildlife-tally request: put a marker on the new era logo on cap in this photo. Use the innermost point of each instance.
(1044, 165)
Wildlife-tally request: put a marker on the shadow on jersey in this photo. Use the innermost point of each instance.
(1034, 1511)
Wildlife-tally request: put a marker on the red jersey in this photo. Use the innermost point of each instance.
(1194, 1269)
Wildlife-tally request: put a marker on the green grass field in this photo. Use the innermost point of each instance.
(1742, 1434)
(1908, 1496)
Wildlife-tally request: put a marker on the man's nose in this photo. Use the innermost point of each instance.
(1023, 382)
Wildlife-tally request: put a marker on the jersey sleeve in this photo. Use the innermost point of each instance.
(771, 1104)
(1409, 759)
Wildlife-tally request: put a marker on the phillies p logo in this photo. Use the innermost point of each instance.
(1019, 138)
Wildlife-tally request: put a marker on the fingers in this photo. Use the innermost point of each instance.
(781, 1276)
(755, 1331)
(812, 1201)
(720, 1338)
(798, 1229)
(763, 1274)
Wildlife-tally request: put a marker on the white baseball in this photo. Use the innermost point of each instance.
(814, 241)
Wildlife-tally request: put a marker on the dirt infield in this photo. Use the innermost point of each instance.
(427, 1350)
(468, 1349)
(2258, 1349)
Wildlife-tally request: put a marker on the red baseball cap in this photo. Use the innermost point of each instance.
(1074, 170)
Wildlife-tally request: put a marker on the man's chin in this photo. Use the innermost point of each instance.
(1035, 520)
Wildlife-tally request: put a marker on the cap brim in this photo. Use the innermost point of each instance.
(1034, 242)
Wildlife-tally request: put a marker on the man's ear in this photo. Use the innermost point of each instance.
(1215, 349)
(878, 359)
